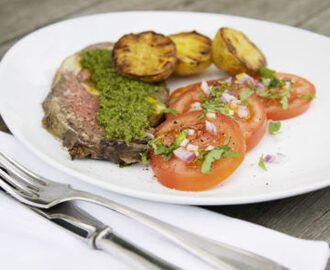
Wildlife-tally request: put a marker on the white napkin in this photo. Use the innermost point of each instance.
(27, 241)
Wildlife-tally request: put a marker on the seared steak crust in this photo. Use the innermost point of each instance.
(70, 110)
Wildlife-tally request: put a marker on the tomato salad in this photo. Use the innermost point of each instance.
(232, 97)
(284, 95)
(195, 154)
(210, 125)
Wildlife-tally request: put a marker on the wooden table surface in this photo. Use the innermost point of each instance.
(306, 216)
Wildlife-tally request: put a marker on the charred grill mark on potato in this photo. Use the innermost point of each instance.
(234, 53)
(147, 56)
(193, 52)
(230, 45)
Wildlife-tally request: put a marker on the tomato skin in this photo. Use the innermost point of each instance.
(253, 127)
(177, 174)
(178, 92)
(297, 105)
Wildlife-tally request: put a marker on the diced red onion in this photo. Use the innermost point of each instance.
(211, 115)
(184, 155)
(269, 158)
(233, 93)
(260, 87)
(243, 111)
(192, 147)
(184, 142)
(245, 78)
(210, 127)
(196, 106)
(205, 88)
(228, 80)
(277, 158)
(209, 148)
(191, 131)
(226, 97)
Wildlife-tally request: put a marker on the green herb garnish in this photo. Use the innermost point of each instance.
(266, 73)
(160, 148)
(171, 110)
(213, 105)
(144, 156)
(271, 81)
(284, 103)
(210, 157)
(274, 95)
(269, 78)
(207, 158)
(245, 93)
(307, 96)
(274, 127)
(173, 100)
(262, 163)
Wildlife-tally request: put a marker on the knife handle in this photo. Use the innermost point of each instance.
(129, 252)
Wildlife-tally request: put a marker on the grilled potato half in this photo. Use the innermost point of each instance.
(193, 52)
(234, 53)
(147, 56)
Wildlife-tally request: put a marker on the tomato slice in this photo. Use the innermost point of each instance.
(254, 126)
(297, 104)
(178, 174)
(175, 95)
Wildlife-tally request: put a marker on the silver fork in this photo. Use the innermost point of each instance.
(37, 191)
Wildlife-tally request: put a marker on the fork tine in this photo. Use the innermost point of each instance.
(14, 188)
(23, 169)
(17, 182)
(21, 180)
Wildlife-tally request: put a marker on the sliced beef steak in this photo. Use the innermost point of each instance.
(70, 114)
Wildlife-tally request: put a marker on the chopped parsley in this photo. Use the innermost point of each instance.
(274, 127)
(213, 104)
(284, 103)
(207, 158)
(274, 83)
(266, 73)
(160, 148)
(210, 157)
(262, 163)
(173, 100)
(245, 93)
(269, 78)
(307, 96)
(171, 110)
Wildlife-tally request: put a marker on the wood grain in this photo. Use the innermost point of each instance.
(306, 216)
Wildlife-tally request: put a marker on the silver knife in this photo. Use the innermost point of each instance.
(100, 236)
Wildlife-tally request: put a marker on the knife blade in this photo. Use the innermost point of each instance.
(100, 236)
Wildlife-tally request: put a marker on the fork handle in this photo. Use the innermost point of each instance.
(220, 255)
(129, 252)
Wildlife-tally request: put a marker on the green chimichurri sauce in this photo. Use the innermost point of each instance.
(124, 109)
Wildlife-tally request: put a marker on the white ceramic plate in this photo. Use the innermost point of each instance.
(27, 69)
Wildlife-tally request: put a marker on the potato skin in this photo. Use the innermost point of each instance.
(234, 53)
(193, 52)
(147, 56)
